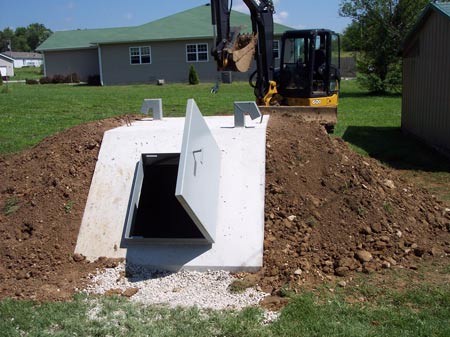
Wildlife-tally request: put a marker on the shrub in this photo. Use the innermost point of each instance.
(58, 78)
(45, 80)
(94, 80)
(75, 78)
(193, 76)
(31, 81)
(68, 79)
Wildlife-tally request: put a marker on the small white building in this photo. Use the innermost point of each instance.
(24, 59)
(6, 65)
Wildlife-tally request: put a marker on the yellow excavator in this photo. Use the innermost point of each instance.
(307, 81)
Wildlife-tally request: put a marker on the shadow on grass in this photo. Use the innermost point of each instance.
(395, 149)
(363, 94)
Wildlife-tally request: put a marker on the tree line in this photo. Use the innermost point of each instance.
(25, 39)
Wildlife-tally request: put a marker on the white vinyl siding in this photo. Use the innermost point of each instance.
(197, 52)
(140, 55)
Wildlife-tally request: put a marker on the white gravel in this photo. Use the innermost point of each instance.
(185, 288)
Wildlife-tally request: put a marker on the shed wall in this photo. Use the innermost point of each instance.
(83, 62)
(426, 83)
(9, 66)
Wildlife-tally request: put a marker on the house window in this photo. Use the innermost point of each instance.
(140, 55)
(197, 52)
(276, 49)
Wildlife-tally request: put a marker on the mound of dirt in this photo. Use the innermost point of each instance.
(329, 212)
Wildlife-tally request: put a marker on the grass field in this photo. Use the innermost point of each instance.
(30, 73)
(399, 303)
(28, 113)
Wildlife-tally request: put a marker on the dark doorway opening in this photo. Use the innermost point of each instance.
(159, 215)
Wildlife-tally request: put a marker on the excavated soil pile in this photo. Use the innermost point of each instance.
(329, 212)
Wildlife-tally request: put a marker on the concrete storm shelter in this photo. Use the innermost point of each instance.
(179, 193)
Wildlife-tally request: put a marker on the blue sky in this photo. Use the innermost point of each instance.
(73, 14)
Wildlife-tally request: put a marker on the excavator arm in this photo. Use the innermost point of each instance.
(234, 51)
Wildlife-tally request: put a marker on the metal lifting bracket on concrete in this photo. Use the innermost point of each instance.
(156, 105)
(241, 108)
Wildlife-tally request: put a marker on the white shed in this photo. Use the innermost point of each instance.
(6, 65)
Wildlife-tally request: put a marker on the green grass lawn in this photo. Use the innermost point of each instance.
(29, 113)
(31, 73)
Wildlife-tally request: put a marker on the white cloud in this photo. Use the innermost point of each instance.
(281, 17)
(241, 7)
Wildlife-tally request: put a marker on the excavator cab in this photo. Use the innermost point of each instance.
(309, 68)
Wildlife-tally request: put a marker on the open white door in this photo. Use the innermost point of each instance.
(198, 177)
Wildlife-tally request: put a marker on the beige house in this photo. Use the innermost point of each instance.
(6, 65)
(162, 49)
(426, 80)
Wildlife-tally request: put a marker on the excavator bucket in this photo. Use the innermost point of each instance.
(241, 54)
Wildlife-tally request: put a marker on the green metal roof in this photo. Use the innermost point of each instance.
(444, 8)
(192, 23)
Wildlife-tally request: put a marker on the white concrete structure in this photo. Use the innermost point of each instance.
(239, 231)
(153, 104)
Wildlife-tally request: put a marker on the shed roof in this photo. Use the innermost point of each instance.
(444, 8)
(192, 23)
(7, 58)
(441, 8)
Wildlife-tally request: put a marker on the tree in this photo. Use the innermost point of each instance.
(36, 34)
(193, 76)
(19, 41)
(6, 37)
(23, 38)
(351, 37)
(383, 26)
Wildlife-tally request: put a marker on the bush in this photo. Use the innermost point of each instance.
(58, 78)
(31, 81)
(94, 80)
(45, 80)
(74, 78)
(193, 77)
